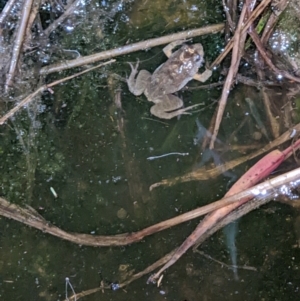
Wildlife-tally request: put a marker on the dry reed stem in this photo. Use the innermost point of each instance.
(31, 19)
(131, 48)
(18, 43)
(33, 219)
(6, 10)
(238, 44)
(279, 8)
(243, 210)
(257, 172)
(258, 10)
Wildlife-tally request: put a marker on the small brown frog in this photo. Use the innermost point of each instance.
(168, 78)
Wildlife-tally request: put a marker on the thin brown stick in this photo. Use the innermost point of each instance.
(131, 48)
(252, 205)
(256, 83)
(238, 44)
(18, 42)
(33, 219)
(273, 121)
(41, 89)
(136, 276)
(243, 267)
(212, 221)
(32, 17)
(229, 7)
(248, 207)
(279, 7)
(234, 215)
(258, 10)
(6, 10)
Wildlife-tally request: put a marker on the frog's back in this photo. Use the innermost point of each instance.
(177, 71)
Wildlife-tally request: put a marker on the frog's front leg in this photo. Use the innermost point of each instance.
(138, 85)
(168, 49)
(203, 77)
(169, 106)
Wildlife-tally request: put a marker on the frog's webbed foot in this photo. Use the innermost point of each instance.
(134, 68)
(170, 106)
(137, 84)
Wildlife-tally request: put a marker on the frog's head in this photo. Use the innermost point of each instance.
(193, 54)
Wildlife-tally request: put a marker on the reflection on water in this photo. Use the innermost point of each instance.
(230, 232)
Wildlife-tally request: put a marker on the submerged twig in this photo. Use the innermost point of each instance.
(248, 207)
(41, 89)
(267, 187)
(256, 173)
(205, 174)
(243, 267)
(136, 276)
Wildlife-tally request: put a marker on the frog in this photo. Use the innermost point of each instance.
(170, 77)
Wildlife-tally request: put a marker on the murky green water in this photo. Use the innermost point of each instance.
(95, 157)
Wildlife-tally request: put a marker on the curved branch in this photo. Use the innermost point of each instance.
(31, 218)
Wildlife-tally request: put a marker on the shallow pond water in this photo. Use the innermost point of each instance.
(94, 155)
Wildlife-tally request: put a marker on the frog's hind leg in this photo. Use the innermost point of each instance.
(169, 107)
(138, 85)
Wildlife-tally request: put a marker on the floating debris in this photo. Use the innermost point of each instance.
(122, 213)
(165, 155)
(53, 192)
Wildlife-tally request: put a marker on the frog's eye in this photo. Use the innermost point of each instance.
(197, 58)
